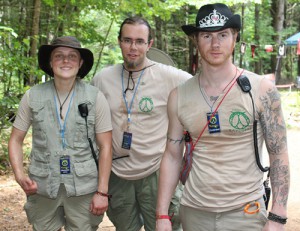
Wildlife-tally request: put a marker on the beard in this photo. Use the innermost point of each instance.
(133, 65)
(216, 61)
(130, 65)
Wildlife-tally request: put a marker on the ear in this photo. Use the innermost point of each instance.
(150, 44)
(81, 62)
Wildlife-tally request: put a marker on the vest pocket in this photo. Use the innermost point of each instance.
(80, 138)
(38, 131)
(39, 171)
(38, 111)
(41, 175)
(40, 139)
(86, 177)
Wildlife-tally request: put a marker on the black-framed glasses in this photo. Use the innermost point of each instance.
(137, 42)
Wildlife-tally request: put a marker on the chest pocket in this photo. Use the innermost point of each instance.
(80, 136)
(38, 129)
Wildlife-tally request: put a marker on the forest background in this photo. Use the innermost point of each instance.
(27, 24)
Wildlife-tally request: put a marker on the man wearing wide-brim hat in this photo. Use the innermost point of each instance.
(69, 119)
(213, 17)
(228, 113)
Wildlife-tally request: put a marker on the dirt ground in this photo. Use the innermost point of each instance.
(12, 198)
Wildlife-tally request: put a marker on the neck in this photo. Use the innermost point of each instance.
(64, 86)
(137, 72)
(212, 77)
(216, 82)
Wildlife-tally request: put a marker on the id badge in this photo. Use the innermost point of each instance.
(127, 138)
(64, 163)
(214, 124)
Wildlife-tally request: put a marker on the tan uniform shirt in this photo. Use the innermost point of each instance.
(224, 173)
(149, 120)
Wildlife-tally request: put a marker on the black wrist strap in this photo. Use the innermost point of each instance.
(276, 218)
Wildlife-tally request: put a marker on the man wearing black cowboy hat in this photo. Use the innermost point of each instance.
(229, 113)
(63, 185)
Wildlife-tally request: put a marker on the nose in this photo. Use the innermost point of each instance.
(215, 39)
(66, 58)
(133, 44)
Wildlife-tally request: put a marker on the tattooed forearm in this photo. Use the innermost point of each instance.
(280, 182)
(274, 130)
(171, 140)
(272, 122)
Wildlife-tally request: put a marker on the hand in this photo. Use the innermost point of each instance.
(273, 226)
(163, 225)
(29, 186)
(99, 205)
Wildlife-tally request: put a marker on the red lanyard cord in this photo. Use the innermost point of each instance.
(194, 144)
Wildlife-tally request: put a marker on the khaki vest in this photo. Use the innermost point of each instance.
(47, 146)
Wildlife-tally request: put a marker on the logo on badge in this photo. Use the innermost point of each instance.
(64, 163)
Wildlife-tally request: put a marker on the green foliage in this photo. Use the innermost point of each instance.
(8, 108)
(198, 3)
(4, 162)
(291, 107)
(265, 38)
(4, 159)
(14, 65)
(9, 30)
(96, 24)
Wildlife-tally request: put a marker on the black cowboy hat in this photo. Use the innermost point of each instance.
(44, 55)
(213, 17)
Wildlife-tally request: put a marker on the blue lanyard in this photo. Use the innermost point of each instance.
(124, 95)
(62, 127)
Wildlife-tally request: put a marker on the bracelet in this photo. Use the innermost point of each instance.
(163, 217)
(276, 218)
(104, 194)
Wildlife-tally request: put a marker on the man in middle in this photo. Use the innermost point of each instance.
(137, 91)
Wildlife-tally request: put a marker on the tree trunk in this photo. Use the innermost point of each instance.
(257, 66)
(277, 12)
(102, 47)
(242, 33)
(34, 35)
(158, 33)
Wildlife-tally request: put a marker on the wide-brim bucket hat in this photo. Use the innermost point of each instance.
(45, 51)
(213, 17)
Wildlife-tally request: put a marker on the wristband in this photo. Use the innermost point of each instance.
(163, 217)
(276, 218)
(104, 194)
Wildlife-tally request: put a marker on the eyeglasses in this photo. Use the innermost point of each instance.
(61, 57)
(132, 81)
(137, 42)
(207, 37)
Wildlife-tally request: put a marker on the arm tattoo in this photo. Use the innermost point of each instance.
(174, 141)
(280, 181)
(272, 122)
(275, 136)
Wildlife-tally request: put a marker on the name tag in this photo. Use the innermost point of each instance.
(64, 163)
(214, 124)
(127, 138)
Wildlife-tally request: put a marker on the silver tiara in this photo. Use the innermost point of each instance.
(213, 19)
